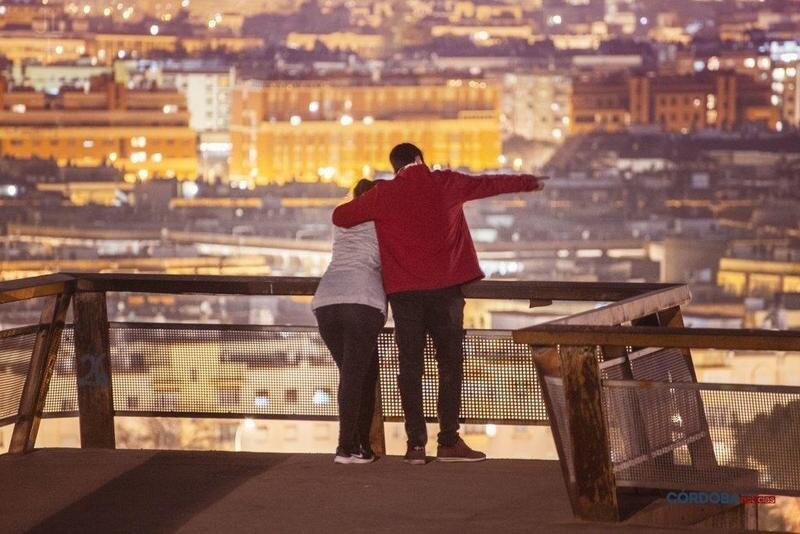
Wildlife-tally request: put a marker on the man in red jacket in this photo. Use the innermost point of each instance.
(427, 254)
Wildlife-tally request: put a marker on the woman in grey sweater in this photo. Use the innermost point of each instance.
(350, 307)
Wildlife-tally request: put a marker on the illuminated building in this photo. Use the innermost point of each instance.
(669, 29)
(484, 11)
(40, 16)
(751, 63)
(484, 32)
(53, 77)
(207, 89)
(719, 100)
(342, 130)
(112, 46)
(368, 45)
(785, 75)
(146, 133)
(22, 45)
(204, 9)
(758, 277)
(106, 48)
(599, 106)
(196, 45)
(536, 105)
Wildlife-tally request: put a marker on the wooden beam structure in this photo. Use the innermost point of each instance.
(595, 491)
(659, 336)
(377, 434)
(40, 370)
(93, 359)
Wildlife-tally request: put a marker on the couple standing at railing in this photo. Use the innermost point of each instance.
(407, 239)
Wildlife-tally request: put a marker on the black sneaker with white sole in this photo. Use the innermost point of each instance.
(344, 457)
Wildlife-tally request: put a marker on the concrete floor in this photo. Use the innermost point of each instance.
(73, 490)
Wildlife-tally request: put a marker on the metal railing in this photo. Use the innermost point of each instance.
(96, 369)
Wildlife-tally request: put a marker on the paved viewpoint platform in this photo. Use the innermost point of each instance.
(74, 490)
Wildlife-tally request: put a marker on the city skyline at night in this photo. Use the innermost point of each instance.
(191, 137)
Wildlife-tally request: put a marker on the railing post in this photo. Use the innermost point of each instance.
(93, 357)
(43, 359)
(377, 437)
(595, 486)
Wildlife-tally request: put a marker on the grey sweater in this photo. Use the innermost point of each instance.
(354, 273)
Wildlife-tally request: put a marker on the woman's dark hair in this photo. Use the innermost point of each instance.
(362, 187)
(404, 154)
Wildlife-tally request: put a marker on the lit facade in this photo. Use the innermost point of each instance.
(368, 45)
(791, 96)
(722, 100)
(105, 48)
(339, 131)
(536, 105)
(599, 106)
(145, 133)
(208, 94)
(757, 277)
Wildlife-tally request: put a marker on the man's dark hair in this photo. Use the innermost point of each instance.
(362, 187)
(403, 154)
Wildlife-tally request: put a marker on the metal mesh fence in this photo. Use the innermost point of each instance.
(658, 438)
(16, 347)
(285, 372)
(558, 401)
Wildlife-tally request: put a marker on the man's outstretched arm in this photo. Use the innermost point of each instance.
(463, 187)
(359, 210)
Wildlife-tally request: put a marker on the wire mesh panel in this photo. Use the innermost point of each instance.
(62, 394)
(282, 371)
(16, 348)
(500, 381)
(754, 431)
(666, 365)
(558, 401)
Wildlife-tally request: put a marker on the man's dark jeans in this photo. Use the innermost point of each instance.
(351, 333)
(440, 313)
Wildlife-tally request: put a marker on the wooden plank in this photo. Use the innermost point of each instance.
(40, 370)
(567, 291)
(620, 312)
(595, 485)
(93, 356)
(377, 436)
(35, 287)
(665, 337)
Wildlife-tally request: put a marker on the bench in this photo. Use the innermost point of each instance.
(632, 425)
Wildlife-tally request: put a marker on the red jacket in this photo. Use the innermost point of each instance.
(422, 233)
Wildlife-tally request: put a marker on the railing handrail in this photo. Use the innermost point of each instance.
(701, 386)
(660, 336)
(15, 290)
(34, 287)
